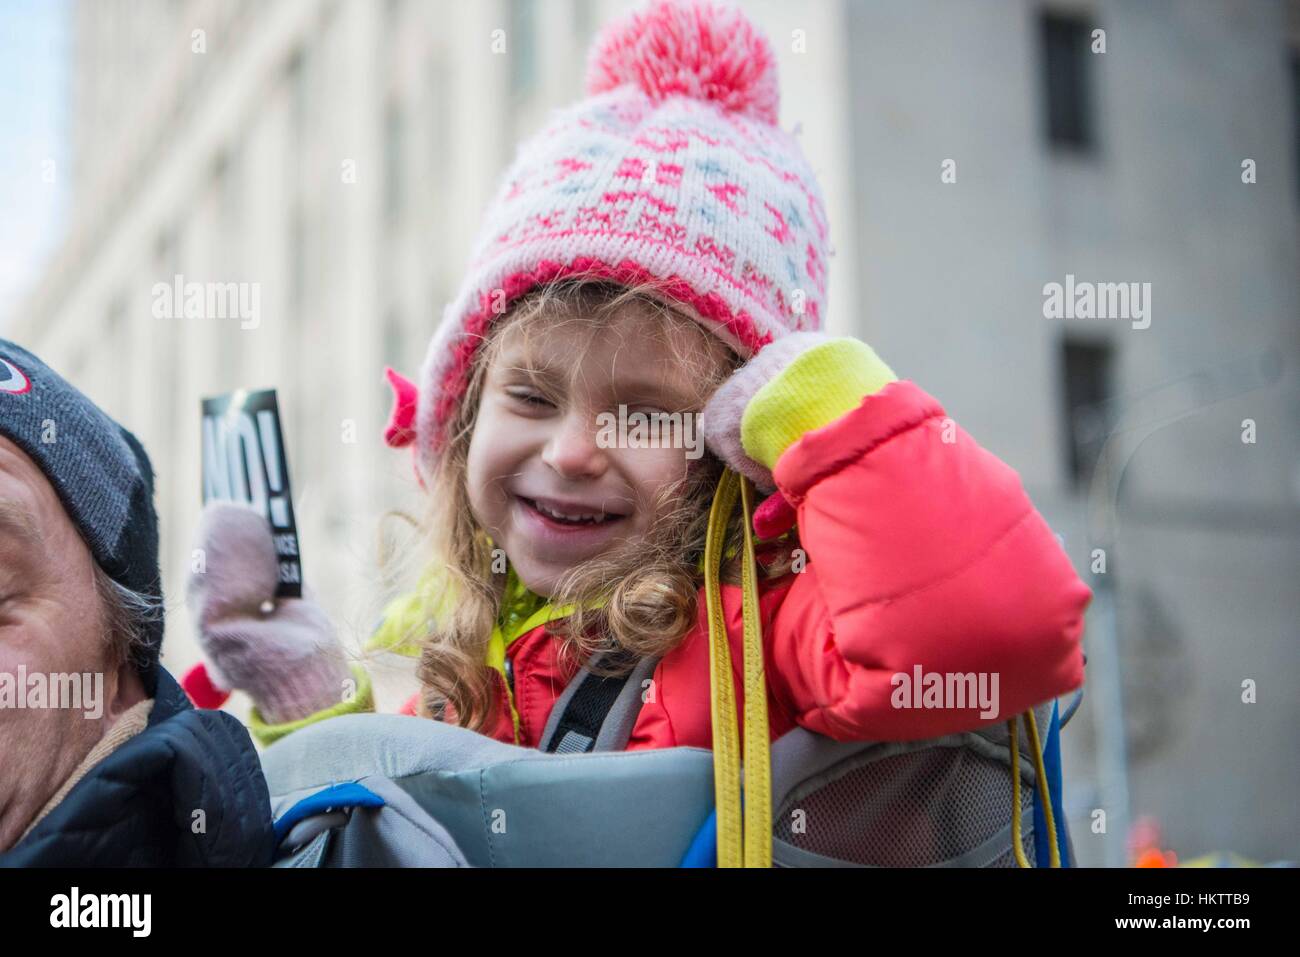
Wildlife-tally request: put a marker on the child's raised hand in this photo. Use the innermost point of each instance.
(797, 383)
(282, 652)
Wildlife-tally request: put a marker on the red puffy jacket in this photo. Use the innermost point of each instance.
(922, 550)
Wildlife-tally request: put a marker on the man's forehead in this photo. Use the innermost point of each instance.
(16, 521)
(17, 463)
(26, 495)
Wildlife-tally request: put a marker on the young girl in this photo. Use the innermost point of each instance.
(660, 248)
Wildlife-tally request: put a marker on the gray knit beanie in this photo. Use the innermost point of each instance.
(100, 472)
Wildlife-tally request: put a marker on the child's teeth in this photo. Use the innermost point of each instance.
(577, 520)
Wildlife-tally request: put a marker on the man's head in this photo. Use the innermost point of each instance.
(80, 621)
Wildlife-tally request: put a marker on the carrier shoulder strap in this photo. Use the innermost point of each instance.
(595, 712)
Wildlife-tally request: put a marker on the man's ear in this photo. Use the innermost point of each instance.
(122, 691)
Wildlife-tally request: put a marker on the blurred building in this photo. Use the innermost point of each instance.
(1114, 167)
(337, 153)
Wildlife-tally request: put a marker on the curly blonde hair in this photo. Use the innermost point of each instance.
(649, 585)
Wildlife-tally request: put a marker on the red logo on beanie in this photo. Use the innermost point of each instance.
(12, 378)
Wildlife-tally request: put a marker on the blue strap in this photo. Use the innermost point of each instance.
(703, 851)
(1052, 767)
(338, 797)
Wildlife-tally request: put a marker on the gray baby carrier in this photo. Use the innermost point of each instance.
(391, 790)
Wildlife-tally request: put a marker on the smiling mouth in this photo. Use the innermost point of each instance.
(572, 517)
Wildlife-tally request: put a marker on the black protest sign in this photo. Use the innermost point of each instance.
(244, 461)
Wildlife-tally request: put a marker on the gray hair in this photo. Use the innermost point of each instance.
(128, 617)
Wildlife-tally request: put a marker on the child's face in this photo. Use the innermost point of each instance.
(538, 440)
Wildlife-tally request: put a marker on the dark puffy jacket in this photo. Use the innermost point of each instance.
(140, 806)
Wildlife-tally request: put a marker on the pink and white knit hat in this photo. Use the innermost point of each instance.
(674, 170)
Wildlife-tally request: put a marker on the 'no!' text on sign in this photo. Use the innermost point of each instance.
(244, 461)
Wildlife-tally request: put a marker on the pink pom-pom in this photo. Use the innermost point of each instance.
(689, 48)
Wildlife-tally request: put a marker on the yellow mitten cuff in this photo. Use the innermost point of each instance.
(819, 386)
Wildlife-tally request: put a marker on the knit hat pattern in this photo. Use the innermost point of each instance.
(673, 170)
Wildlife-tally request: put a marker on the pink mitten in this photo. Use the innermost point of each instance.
(797, 383)
(282, 652)
(721, 418)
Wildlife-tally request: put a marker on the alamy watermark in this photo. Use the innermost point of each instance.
(949, 691)
(55, 690)
(650, 430)
(1098, 300)
(208, 300)
(130, 911)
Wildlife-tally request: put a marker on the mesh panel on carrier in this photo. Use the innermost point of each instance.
(931, 805)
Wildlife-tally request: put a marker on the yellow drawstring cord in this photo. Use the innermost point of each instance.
(1044, 793)
(726, 747)
(758, 743)
(747, 843)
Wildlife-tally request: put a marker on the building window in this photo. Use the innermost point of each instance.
(296, 76)
(1086, 381)
(1066, 58)
(582, 27)
(164, 252)
(1295, 111)
(394, 340)
(394, 148)
(521, 47)
(116, 333)
(227, 185)
(297, 259)
(439, 115)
